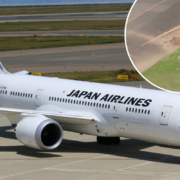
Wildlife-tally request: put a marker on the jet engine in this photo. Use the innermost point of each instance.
(39, 132)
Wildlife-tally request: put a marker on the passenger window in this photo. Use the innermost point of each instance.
(18, 94)
(69, 101)
(52, 98)
(103, 106)
(94, 104)
(74, 102)
(127, 109)
(149, 112)
(21, 94)
(15, 94)
(133, 110)
(99, 105)
(6, 92)
(63, 100)
(139, 111)
(108, 106)
(57, 99)
(142, 111)
(49, 98)
(85, 103)
(3, 92)
(60, 100)
(10, 93)
(91, 104)
(26, 95)
(162, 114)
(145, 112)
(31, 95)
(88, 103)
(77, 102)
(136, 111)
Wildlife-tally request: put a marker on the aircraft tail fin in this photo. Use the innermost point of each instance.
(3, 70)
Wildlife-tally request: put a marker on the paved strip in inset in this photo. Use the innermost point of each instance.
(151, 30)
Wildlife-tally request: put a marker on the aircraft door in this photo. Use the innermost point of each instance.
(115, 111)
(165, 112)
(38, 97)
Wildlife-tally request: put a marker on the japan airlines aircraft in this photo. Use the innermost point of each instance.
(41, 108)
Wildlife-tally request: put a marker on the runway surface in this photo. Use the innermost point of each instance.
(66, 59)
(64, 33)
(80, 158)
(66, 16)
(151, 28)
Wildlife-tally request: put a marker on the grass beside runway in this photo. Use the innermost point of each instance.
(63, 25)
(75, 9)
(96, 76)
(166, 72)
(22, 43)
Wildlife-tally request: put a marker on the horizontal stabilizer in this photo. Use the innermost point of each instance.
(22, 72)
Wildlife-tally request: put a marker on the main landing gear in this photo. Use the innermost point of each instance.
(108, 140)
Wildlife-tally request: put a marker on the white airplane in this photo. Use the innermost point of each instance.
(41, 108)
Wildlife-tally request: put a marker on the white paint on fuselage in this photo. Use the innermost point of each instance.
(126, 124)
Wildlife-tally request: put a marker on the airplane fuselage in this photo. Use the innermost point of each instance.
(137, 113)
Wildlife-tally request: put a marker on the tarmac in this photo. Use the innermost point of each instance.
(103, 57)
(65, 16)
(80, 158)
(64, 33)
(151, 28)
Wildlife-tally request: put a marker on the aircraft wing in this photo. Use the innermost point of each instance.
(62, 118)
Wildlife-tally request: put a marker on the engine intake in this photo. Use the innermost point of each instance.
(39, 133)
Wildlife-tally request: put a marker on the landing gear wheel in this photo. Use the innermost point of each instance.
(100, 140)
(115, 140)
(107, 140)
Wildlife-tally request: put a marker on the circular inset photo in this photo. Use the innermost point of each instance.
(153, 41)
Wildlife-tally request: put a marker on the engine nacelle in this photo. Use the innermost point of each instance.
(39, 132)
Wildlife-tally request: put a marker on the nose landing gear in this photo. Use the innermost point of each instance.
(108, 140)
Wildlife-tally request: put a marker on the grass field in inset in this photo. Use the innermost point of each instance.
(76, 9)
(63, 25)
(166, 72)
(22, 43)
(96, 76)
